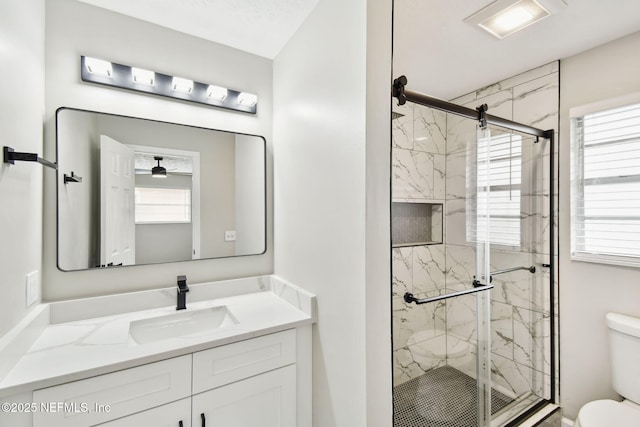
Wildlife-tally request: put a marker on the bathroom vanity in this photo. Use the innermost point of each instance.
(239, 355)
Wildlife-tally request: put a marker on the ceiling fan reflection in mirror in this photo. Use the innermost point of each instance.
(158, 171)
(161, 166)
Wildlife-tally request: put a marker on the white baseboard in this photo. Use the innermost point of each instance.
(566, 422)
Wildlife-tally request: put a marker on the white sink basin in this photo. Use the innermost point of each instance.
(181, 324)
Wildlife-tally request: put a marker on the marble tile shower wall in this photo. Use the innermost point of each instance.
(418, 158)
(520, 308)
(430, 152)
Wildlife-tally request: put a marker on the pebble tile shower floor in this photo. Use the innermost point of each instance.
(442, 397)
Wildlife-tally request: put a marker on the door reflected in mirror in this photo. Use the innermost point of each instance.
(153, 192)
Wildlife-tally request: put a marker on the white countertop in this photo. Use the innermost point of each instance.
(83, 348)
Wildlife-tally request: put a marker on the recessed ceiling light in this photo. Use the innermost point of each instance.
(98, 66)
(512, 18)
(504, 17)
(182, 85)
(143, 76)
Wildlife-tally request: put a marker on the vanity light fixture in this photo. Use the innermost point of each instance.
(217, 92)
(99, 67)
(158, 171)
(107, 73)
(247, 99)
(142, 76)
(505, 17)
(182, 85)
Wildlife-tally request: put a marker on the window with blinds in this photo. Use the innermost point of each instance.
(161, 205)
(502, 205)
(605, 217)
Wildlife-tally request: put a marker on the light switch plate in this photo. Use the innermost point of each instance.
(33, 287)
(230, 236)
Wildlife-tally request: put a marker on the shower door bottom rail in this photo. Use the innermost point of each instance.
(409, 298)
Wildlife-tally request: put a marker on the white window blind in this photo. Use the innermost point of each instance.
(503, 202)
(162, 205)
(605, 217)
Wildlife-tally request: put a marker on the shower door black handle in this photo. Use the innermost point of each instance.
(202, 418)
(409, 298)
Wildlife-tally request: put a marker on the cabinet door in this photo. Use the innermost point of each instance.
(176, 414)
(266, 400)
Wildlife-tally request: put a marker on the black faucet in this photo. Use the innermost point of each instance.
(182, 293)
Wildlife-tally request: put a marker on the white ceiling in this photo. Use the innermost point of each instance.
(261, 27)
(444, 57)
(439, 53)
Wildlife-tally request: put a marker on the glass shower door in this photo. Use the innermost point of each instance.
(473, 312)
(442, 336)
(483, 271)
(520, 303)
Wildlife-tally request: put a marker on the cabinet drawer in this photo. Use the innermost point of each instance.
(226, 364)
(169, 415)
(125, 392)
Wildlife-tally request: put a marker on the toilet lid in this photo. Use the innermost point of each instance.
(608, 413)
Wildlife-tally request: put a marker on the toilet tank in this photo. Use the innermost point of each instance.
(624, 350)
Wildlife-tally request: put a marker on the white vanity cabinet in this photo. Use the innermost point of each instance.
(246, 384)
(266, 400)
(96, 400)
(249, 383)
(80, 357)
(174, 414)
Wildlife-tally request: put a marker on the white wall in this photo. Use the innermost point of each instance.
(331, 178)
(74, 29)
(588, 291)
(163, 242)
(21, 111)
(378, 221)
(319, 196)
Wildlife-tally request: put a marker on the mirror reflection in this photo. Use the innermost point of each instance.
(134, 191)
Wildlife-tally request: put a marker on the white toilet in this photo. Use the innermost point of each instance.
(624, 349)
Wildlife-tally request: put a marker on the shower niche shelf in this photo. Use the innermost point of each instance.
(416, 223)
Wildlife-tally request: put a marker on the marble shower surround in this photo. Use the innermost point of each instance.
(520, 314)
(418, 176)
(418, 155)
